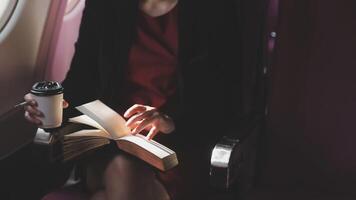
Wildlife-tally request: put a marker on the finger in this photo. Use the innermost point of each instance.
(33, 111)
(146, 122)
(137, 108)
(148, 128)
(32, 119)
(134, 125)
(153, 132)
(139, 117)
(65, 104)
(28, 98)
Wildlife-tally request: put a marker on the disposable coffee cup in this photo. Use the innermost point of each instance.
(49, 97)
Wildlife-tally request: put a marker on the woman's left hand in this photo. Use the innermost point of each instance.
(146, 117)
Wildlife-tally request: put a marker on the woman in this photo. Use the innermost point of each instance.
(177, 63)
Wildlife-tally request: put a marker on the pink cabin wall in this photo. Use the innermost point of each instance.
(64, 47)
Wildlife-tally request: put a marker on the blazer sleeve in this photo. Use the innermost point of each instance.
(81, 82)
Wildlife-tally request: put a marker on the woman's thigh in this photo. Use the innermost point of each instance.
(123, 176)
(188, 179)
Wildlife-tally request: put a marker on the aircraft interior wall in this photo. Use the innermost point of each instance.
(35, 44)
(19, 46)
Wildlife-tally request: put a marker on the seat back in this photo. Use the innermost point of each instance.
(310, 135)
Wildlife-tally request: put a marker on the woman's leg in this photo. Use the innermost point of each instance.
(99, 195)
(129, 178)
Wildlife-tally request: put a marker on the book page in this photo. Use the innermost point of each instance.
(149, 151)
(83, 119)
(148, 145)
(89, 133)
(110, 120)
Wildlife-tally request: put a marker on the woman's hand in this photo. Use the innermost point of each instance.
(147, 117)
(32, 114)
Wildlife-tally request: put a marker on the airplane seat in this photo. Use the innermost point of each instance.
(310, 126)
(306, 150)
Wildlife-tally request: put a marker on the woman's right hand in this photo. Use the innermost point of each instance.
(32, 114)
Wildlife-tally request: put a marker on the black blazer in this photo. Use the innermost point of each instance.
(210, 96)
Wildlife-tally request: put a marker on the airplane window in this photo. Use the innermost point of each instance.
(71, 5)
(6, 8)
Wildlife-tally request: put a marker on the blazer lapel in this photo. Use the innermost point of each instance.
(193, 27)
(123, 27)
(185, 30)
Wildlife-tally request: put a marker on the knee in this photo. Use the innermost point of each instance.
(129, 178)
(127, 166)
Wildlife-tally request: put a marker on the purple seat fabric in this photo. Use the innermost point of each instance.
(66, 194)
(310, 138)
(274, 193)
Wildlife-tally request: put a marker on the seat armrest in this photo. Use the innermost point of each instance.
(221, 172)
(50, 141)
(47, 145)
(15, 131)
(233, 157)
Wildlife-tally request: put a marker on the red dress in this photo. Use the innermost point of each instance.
(152, 71)
(150, 77)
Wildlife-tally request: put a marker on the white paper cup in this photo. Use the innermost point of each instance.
(49, 97)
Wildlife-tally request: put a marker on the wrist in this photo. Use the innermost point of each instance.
(168, 124)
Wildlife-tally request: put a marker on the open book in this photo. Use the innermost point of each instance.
(108, 125)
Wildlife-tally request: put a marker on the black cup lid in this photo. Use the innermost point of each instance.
(46, 88)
